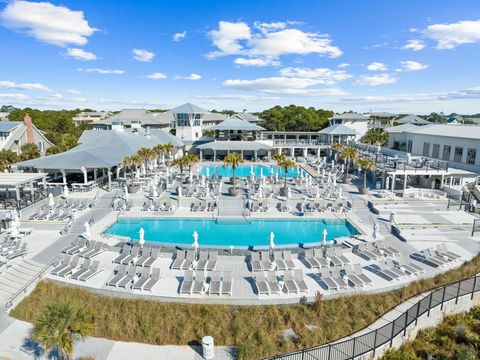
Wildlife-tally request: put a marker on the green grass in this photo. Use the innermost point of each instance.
(256, 330)
(457, 337)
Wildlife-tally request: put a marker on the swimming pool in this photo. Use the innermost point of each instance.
(245, 171)
(238, 234)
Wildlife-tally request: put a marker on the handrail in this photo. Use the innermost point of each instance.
(24, 288)
(371, 342)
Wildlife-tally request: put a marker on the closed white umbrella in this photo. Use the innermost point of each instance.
(207, 191)
(51, 202)
(144, 170)
(195, 241)
(323, 171)
(317, 192)
(340, 193)
(272, 244)
(289, 193)
(16, 220)
(207, 171)
(342, 168)
(333, 163)
(334, 181)
(126, 192)
(392, 217)
(202, 180)
(375, 232)
(65, 191)
(141, 240)
(324, 236)
(261, 172)
(180, 191)
(190, 176)
(87, 230)
(387, 183)
(276, 176)
(154, 191)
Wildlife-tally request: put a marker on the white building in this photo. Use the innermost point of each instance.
(89, 116)
(357, 122)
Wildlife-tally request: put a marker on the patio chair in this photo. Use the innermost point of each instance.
(146, 251)
(141, 281)
(287, 257)
(408, 266)
(255, 263)
(394, 267)
(154, 255)
(290, 283)
(340, 254)
(189, 261)
(124, 252)
(272, 282)
(215, 283)
(212, 260)
(327, 280)
(227, 283)
(153, 280)
(65, 262)
(128, 279)
(69, 269)
(187, 283)
(83, 268)
(261, 284)
(434, 259)
(91, 246)
(384, 272)
(310, 259)
(322, 261)
(267, 264)
(277, 258)
(119, 273)
(179, 260)
(337, 277)
(357, 268)
(300, 280)
(202, 261)
(91, 272)
(353, 279)
(442, 249)
(81, 244)
(199, 283)
(21, 250)
(330, 256)
(387, 250)
(132, 256)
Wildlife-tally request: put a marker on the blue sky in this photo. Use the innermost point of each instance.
(398, 56)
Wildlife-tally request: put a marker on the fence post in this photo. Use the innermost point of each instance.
(418, 312)
(375, 343)
(473, 287)
(393, 331)
(458, 292)
(353, 350)
(405, 326)
(443, 297)
(329, 351)
(430, 304)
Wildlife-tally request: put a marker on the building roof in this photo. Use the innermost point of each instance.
(401, 128)
(383, 114)
(349, 116)
(447, 130)
(235, 146)
(412, 119)
(338, 129)
(188, 109)
(103, 149)
(17, 179)
(235, 122)
(146, 118)
(7, 126)
(249, 117)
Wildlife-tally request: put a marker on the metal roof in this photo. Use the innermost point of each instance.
(235, 146)
(382, 114)
(338, 129)
(102, 149)
(16, 179)
(401, 128)
(454, 131)
(349, 116)
(7, 126)
(412, 119)
(236, 123)
(188, 109)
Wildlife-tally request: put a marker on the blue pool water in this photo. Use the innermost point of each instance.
(244, 171)
(238, 234)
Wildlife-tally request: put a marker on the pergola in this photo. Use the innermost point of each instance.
(18, 190)
(252, 148)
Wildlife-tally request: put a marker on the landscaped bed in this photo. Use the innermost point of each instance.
(257, 331)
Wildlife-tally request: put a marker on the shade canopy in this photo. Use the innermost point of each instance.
(338, 129)
(236, 123)
(235, 146)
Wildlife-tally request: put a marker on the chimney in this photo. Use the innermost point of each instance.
(28, 124)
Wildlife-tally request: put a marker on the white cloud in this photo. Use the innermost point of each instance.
(343, 65)
(237, 97)
(283, 85)
(73, 91)
(143, 55)
(192, 77)
(101, 71)
(377, 66)
(449, 36)
(414, 44)
(80, 54)
(323, 76)
(256, 61)
(14, 97)
(7, 84)
(179, 36)
(272, 40)
(413, 65)
(57, 25)
(157, 76)
(376, 80)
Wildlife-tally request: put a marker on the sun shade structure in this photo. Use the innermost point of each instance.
(18, 190)
(235, 146)
(339, 133)
(413, 119)
(236, 123)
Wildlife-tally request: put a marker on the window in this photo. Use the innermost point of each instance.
(41, 146)
(436, 151)
(183, 120)
(447, 149)
(426, 149)
(409, 146)
(471, 156)
(458, 154)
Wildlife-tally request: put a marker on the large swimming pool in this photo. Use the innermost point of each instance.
(225, 234)
(246, 170)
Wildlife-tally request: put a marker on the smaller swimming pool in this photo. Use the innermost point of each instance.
(176, 231)
(246, 170)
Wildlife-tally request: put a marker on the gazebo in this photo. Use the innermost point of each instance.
(339, 133)
(18, 190)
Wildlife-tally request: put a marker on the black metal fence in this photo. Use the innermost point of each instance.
(372, 340)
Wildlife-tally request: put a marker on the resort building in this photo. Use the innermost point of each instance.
(381, 120)
(15, 134)
(135, 119)
(357, 122)
(412, 119)
(86, 117)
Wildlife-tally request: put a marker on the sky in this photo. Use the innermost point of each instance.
(405, 56)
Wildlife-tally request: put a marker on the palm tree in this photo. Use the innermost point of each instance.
(366, 165)
(181, 163)
(168, 148)
(233, 159)
(191, 160)
(375, 137)
(7, 158)
(146, 154)
(159, 149)
(129, 162)
(348, 154)
(285, 163)
(60, 325)
(29, 151)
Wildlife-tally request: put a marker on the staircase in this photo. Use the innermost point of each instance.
(228, 206)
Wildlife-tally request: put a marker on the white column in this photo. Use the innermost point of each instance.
(305, 152)
(109, 173)
(214, 155)
(393, 182)
(255, 155)
(405, 182)
(85, 176)
(201, 155)
(64, 176)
